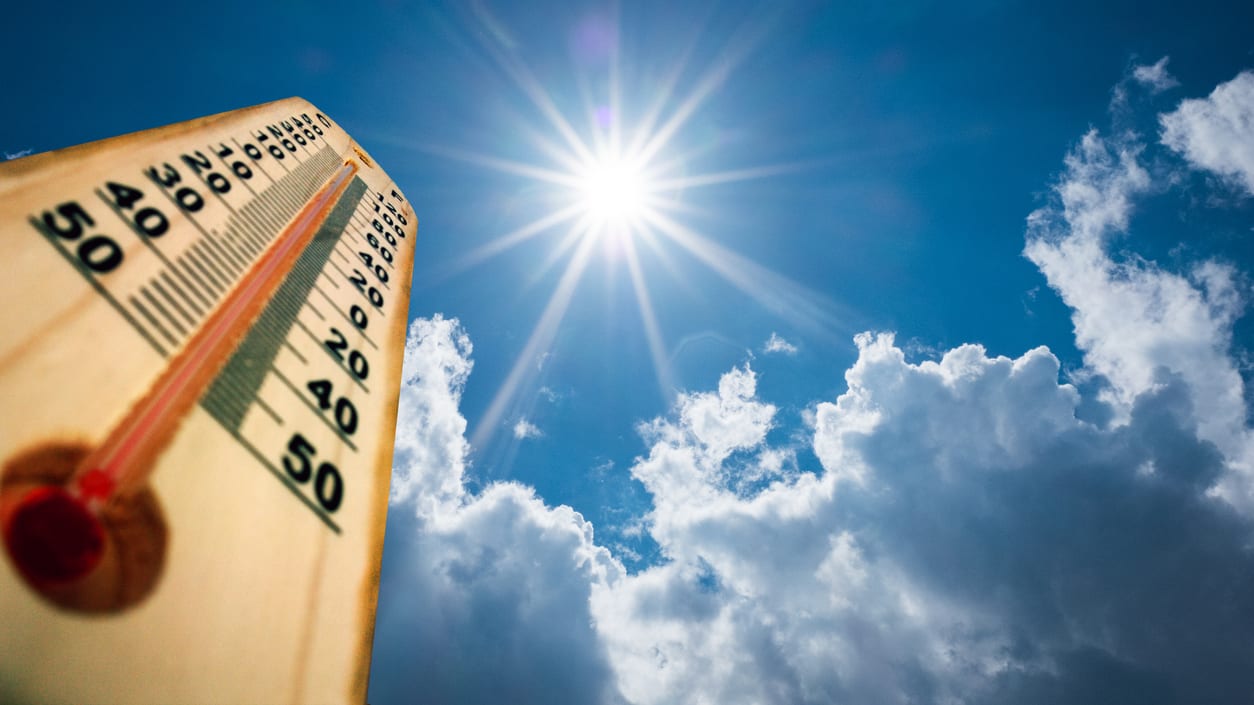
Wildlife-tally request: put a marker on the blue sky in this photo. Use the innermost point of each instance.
(999, 450)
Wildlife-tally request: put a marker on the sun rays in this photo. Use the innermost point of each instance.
(613, 187)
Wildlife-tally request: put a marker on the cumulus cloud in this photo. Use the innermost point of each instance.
(968, 538)
(776, 344)
(526, 429)
(994, 549)
(488, 594)
(1216, 133)
(489, 604)
(1155, 76)
(687, 457)
(430, 455)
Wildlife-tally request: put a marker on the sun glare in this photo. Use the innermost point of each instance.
(614, 186)
(613, 192)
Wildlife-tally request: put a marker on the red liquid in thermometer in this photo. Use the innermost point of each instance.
(55, 534)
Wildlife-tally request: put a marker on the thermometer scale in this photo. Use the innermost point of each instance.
(199, 372)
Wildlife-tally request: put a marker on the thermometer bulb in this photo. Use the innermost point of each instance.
(54, 537)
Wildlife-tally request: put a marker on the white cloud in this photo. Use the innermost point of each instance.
(776, 344)
(18, 154)
(525, 429)
(488, 594)
(493, 599)
(686, 460)
(1136, 323)
(1216, 133)
(995, 548)
(1155, 76)
(430, 455)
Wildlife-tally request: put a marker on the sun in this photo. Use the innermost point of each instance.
(613, 192)
(619, 186)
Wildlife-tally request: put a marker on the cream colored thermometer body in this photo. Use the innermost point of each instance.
(199, 366)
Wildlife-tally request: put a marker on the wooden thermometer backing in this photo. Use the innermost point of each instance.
(202, 336)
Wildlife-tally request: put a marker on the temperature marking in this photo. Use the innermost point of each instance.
(126, 457)
(253, 358)
(203, 346)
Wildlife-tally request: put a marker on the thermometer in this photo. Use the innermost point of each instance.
(199, 372)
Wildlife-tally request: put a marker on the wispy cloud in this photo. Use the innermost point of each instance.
(18, 154)
(525, 429)
(1155, 76)
(776, 344)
